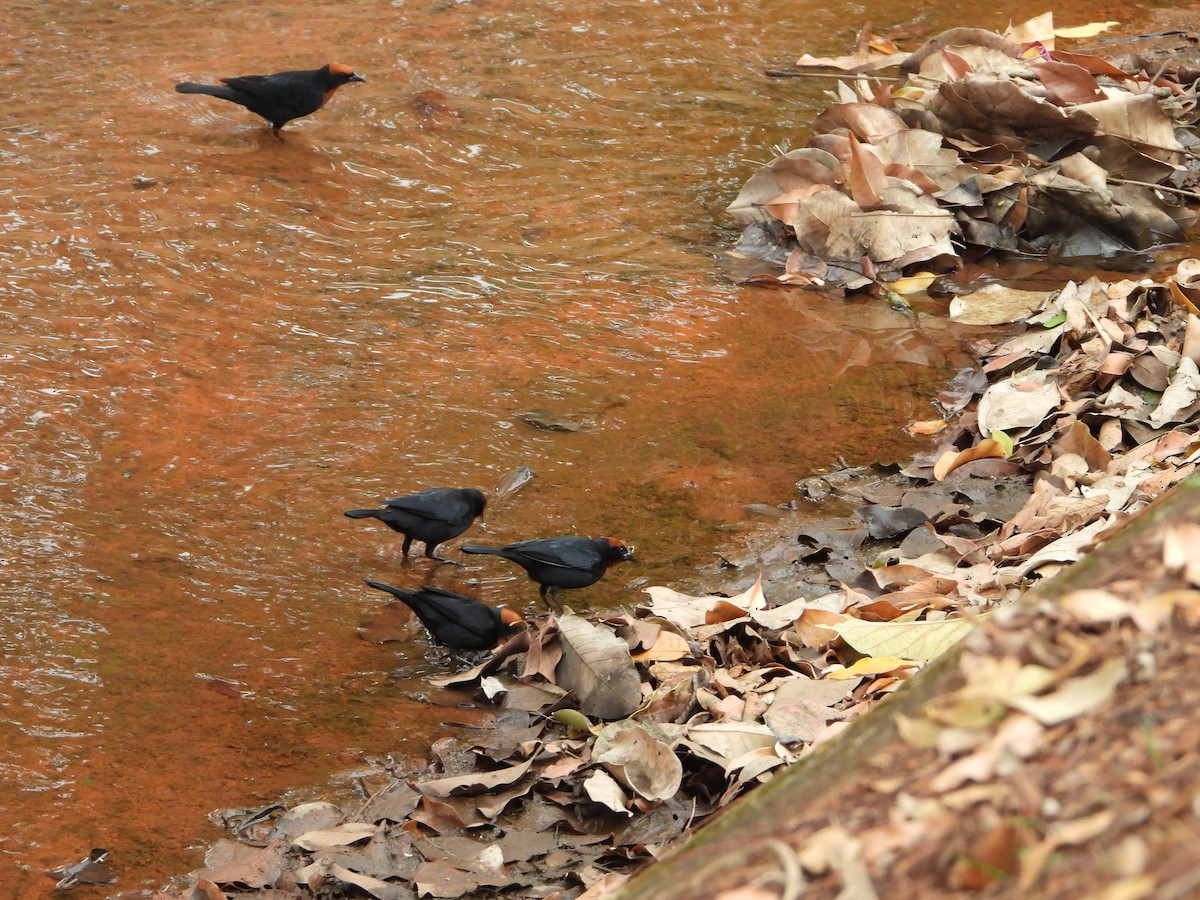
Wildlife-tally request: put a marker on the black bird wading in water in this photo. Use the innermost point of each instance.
(455, 621)
(281, 97)
(433, 515)
(561, 562)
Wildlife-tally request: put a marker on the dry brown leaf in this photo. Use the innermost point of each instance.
(951, 460)
(597, 667)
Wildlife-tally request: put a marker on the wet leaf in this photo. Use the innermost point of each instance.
(995, 304)
(341, 836)
(92, 869)
(228, 862)
(597, 668)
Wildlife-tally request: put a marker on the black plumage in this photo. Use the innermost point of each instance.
(454, 620)
(433, 515)
(561, 562)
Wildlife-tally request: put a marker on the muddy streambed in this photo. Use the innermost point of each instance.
(214, 342)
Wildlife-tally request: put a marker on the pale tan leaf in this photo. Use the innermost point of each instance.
(474, 782)
(603, 788)
(995, 304)
(638, 759)
(667, 646)
(1085, 31)
(1074, 696)
(341, 836)
(906, 640)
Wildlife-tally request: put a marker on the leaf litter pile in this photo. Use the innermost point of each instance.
(614, 733)
(988, 144)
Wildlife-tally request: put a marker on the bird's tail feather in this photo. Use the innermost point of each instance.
(388, 589)
(362, 513)
(190, 87)
(486, 551)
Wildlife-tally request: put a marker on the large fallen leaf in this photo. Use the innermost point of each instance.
(341, 836)
(1180, 395)
(596, 666)
(800, 709)
(919, 641)
(227, 862)
(1017, 402)
(1067, 549)
(640, 760)
(323, 869)
(475, 782)
(995, 304)
(726, 742)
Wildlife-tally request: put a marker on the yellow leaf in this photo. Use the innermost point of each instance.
(871, 666)
(913, 284)
(909, 640)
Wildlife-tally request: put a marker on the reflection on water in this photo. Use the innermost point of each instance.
(214, 342)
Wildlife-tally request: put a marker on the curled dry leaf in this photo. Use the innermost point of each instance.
(341, 836)
(603, 788)
(638, 759)
(951, 460)
(475, 782)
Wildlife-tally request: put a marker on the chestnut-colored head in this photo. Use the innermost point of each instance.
(340, 73)
(617, 551)
(513, 621)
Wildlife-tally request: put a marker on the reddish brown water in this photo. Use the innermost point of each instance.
(199, 372)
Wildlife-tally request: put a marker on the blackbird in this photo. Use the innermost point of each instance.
(432, 515)
(561, 562)
(455, 621)
(281, 97)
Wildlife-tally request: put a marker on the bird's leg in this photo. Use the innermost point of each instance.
(275, 131)
(429, 554)
(407, 544)
(550, 595)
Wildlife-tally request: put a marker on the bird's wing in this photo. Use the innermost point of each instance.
(430, 506)
(251, 84)
(563, 553)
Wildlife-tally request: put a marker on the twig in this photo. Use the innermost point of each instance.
(800, 73)
(1157, 187)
